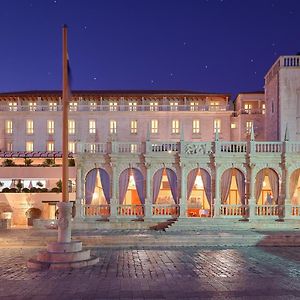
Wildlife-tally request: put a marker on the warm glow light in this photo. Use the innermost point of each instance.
(95, 196)
(131, 181)
(199, 182)
(264, 184)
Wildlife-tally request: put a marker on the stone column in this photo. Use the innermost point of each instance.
(113, 200)
(148, 199)
(288, 213)
(79, 193)
(183, 200)
(252, 200)
(217, 200)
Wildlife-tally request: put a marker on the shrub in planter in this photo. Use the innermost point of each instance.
(33, 190)
(13, 190)
(6, 190)
(55, 190)
(44, 190)
(48, 162)
(8, 163)
(72, 162)
(25, 190)
(31, 214)
(27, 162)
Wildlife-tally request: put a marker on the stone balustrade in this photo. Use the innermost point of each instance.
(121, 147)
(96, 210)
(267, 210)
(130, 210)
(233, 210)
(165, 210)
(296, 210)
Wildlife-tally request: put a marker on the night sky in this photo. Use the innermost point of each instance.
(200, 45)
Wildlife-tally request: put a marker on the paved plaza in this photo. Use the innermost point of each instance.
(158, 272)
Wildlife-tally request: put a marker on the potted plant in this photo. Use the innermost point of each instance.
(32, 214)
(8, 163)
(27, 162)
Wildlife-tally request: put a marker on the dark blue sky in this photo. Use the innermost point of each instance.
(201, 45)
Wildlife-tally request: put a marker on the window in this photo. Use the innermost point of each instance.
(175, 126)
(92, 148)
(29, 146)
(173, 106)
(52, 106)
(73, 106)
(29, 126)
(113, 106)
(12, 106)
(153, 106)
(8, 127)
(92, 126)
(133, 148)
(133, 127)
(93, 106)
(263, 108)
(9, 146)
(132, 106)
(214, 105)
(50, 126)
(217, 125)
(248, 126)
(32, 106)
(50, 146)
(194, 106)
(247, 108)
(233, 125)
(113, 127)
(71, 126)
(154, 126)
(196, 126)
(71, 147)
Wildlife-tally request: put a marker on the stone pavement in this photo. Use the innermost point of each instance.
(139, 272)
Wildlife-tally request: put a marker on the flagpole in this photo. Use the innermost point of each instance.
(65, 104)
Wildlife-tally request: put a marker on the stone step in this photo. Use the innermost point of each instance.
(37, 265)
(56, 257)
(73, 246)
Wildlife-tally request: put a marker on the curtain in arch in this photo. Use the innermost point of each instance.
(274, 183)
(293, 182)
(191, 182)
(90, 183)
(156, 183)
(139, 183)
(259, 183)
(206, 184)
(105, 182)
(172, 178)
(123, 184)
(240, 182)
(225, 185)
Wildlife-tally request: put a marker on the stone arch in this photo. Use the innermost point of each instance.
(294, 187)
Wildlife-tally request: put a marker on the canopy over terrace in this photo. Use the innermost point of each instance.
(33, 154)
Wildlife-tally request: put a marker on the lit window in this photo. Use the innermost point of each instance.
(132, 106)
(133, 127)
(12, 106)
(92, 148)
(52, 106)
(175, 126)
(233, 125)
(8, 127)
(214, 105)
(196, 126)
(263, 110)
(133, 148)
(29, 126)
(113, 106)
(247, 108)
(93, 106)
(113, 127)
(154, 126)
(217, 125)
(9, 146)
(153, 106)
(73, 106)
(173, 106)
(248, 126)
(32, 106)
(194, 106)
(71, 126)
(92, 126)
(29, 146)
(50, 126)
(71, 147)
(50, 146)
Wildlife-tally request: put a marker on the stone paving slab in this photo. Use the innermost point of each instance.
(164, 273)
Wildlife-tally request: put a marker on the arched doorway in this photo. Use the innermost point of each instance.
(131, 193)
(198, 193)
(164, 193)
(233, 193)
(295, 192)
(267, 192)
(97, 193)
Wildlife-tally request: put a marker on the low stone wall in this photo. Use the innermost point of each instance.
(5, 223)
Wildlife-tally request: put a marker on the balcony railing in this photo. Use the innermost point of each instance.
(290, 61)
(267, 210)
(296, 210)
(268, 147)
(91, 148)
(96, 210)
(232, 147)
(195, 148)
(120, 147)
(130, 210)
(162, 147)
(233, 210)
(118, 108)
(165, 210)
